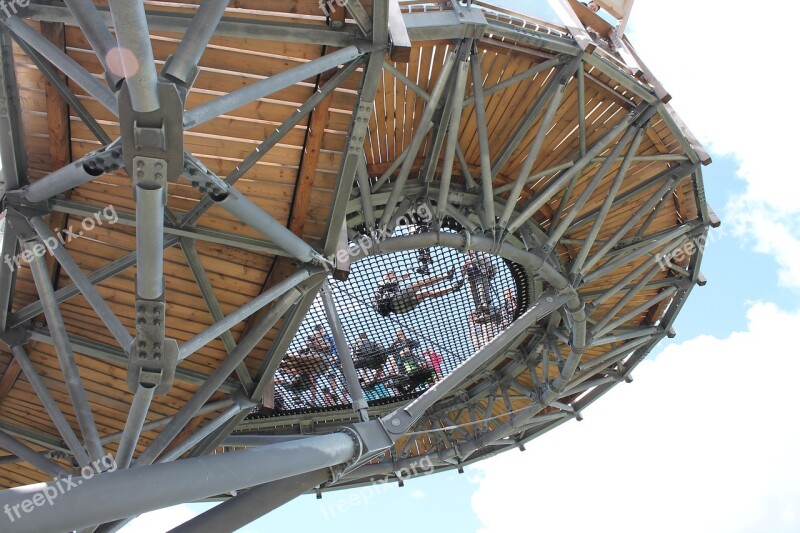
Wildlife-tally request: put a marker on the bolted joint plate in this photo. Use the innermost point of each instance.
(153, 357)
(360, 124)
(157, 134)
(204, 181)
(149, 173)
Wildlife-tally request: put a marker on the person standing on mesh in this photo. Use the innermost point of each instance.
(393, 296)
(321, 343)
(479, 271)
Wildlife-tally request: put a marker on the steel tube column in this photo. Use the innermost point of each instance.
(345, 357)
(417, 139)
(113, 495)
(70, 176)
(72, 378)
(243, 349)
(183, 65)
(133, 35)
(98, 35)
(150, 242)
(452, 137)
(133, 425)
(483, 144)
(252, 504)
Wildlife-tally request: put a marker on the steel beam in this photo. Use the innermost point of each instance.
(263, 88)
(133, 35)
(252, 504)
(198, 234)
(245, 210)
(9, 249)
(641, 126)
(182, 67)
(554, 93)
(66, 93)
(220, 374)
(87, 289)
(635, 191)
(76, 173)
(186, 444)
(362, 177)
(59, 421)
(214, 308)
(274, 138)
(133, 425)
(224, 324)
(63, 62)
(555, 88)
(353, 150)
(417, 139)
(66, 359)
(99, 37)
(243, 28)
(345, 357)
(13, 161)
(97, 500)
(115, 356)
(557, 184)
(98, 276)
(454, 127)
(561, 227)
(399, 421)
(626, 227)
(488, 217)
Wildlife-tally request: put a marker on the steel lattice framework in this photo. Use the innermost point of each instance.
(586, 189)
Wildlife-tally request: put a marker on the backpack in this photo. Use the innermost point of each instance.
(369, 354)
(384, 296)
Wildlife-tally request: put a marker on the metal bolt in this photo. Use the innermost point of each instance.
(395, 422)
(549, 299)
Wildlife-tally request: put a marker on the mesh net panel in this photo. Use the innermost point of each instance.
(404, 333)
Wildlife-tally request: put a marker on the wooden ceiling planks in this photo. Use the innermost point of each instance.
(238, 275)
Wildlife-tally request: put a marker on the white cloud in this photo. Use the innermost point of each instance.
(725, 64)
(705, 439)
(417, 494)
(160, 521)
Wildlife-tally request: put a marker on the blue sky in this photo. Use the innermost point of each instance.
(705, 438)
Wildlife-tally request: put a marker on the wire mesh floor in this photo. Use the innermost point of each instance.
(409, 318)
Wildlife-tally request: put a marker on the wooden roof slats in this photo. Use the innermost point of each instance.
(294, 182)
